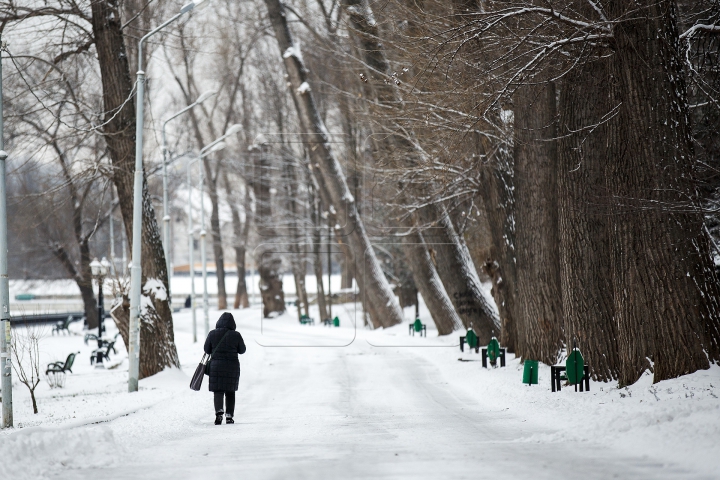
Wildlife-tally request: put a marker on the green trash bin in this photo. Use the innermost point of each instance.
(530, 372)
(336, 321)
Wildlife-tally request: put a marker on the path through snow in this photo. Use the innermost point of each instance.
(359, 411)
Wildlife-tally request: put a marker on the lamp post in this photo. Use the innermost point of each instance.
(100, 270)
(136, 269)
(166, 214)
(5, 365)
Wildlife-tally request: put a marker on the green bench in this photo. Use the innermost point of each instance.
(492, 352)
(60, 367)
(62, 326)
(417, 326)
(305, 320)
(471, 339)
(574, 371)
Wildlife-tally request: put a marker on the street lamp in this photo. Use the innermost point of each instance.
(5, 365)
(217, 144)
(136, 269)
(166, 214)
(99, 271)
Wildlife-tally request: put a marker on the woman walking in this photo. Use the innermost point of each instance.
(224, 344)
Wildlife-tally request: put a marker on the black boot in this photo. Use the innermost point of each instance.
(228, 419)
(218, 417)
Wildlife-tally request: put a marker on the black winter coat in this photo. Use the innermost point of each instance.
(224, 365)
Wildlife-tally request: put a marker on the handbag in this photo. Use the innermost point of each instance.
(203, 367)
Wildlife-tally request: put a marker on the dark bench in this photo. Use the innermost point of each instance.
(60, 367)
(103, 352)
(417, 326)
(63, 326)
(305, 320)
(493, 351)
(575, 370)
(556, 377)
(335, 322)
(471, 339)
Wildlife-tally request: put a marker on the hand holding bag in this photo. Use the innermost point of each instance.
(197, 377)
(203, 367)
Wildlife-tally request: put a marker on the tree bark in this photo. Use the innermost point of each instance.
(317, 255)
(499, 203)
(331, 177)
(240, 236)
(267, 258)
(471, 302)
(457, 272)
(218, 251)
(429, 284)
(538, 263)
(665, 290)
(587, 290)
(119, 131)
(297, 259)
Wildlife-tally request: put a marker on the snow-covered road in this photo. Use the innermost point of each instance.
(347, 412)
(384, 405)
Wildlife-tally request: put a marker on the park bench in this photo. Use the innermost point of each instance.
(305, 320)
(63, 326)
(574, 371)
(335, 322)
(102, 353)
(492, 352)
(471, 339)
(60, 367)
(417, 326)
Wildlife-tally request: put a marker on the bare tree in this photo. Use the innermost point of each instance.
(26, 353)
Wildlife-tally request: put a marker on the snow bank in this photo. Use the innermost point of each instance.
(39, 454)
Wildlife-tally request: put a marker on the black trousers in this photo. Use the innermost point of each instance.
(229, 402)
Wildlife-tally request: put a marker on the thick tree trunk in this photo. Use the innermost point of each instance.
(471, 302)
(499, 204)
(317, 254)
(457, 272)
(119, 136)
(218, 252)
(429, 284)
(330, 175)
(665, 291)
(89, 304)
(587, 290)
(538, 264)
(157, 333)
(267, 258)
(240, 236)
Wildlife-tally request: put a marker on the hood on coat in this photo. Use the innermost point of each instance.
(226, 321)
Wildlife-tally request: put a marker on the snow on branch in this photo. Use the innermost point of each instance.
(690, 32)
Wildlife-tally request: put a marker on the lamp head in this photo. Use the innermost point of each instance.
(205, 96)
(192, 5)
(233, 129)
(105, 266)
(95, 267)
(3, 155)
(218, 146)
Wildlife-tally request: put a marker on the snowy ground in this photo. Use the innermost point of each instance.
(319, 402)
